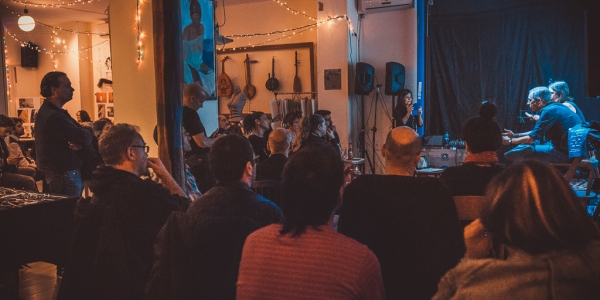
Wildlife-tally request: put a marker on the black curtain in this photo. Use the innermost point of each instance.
(498, 50)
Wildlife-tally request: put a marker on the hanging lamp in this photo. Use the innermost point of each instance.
(26, 23)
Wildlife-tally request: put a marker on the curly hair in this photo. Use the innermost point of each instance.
(50, 80)
(114, 143)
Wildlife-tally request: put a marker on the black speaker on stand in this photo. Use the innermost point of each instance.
(394, 82)
(29, 55)
(363, 85)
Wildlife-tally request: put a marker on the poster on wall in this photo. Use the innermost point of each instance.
(198, 44)
(101, 110)
(110, 111)
(25, 102)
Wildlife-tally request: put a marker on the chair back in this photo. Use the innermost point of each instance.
(270, 189)
(468, 207)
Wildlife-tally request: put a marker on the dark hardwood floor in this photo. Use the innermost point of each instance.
(39, 282)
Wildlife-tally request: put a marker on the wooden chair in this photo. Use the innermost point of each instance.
(591, 164)
(468, 207)
(270, 189)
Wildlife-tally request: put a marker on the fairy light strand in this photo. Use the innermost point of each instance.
(140, 33)
(291, 10)
(54, 27)
(8, 82)
(43, 5)
(237, 36)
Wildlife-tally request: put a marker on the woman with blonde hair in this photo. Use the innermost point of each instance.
(553, 247)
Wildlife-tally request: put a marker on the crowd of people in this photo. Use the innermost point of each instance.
(398, 236)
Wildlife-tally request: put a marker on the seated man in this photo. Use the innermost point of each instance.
(111, 254)
(279, 146)
(11, 175)
(410, 223)
(555, 121)
(483, 137)
(15, 148)
(305, 257)
(198, 253)
(332, 135)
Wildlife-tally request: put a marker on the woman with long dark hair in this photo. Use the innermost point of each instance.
(312, 129)
(403, 111)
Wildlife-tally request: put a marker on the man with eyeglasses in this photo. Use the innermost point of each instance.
(112, 249)
(409, 222)
(554, 122)
(223, 126)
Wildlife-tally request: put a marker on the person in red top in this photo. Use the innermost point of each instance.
(305, 256)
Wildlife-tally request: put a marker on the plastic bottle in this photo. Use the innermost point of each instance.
(350, 151)
(446, 139)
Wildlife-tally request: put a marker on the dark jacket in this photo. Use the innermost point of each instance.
(271, 168)
(111, 252)
(198, 253)
(54, 129)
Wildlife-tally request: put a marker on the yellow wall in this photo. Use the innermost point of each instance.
(134, 85)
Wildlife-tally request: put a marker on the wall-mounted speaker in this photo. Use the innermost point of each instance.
(363, 83)
(29, 56)
(394, 78)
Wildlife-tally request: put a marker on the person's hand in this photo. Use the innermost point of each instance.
(420, 110)
(157, 166)
(330, 135)
(506, 140)
(477, 241)
(333, 128)
(508, 133)
(535, 117)
(204, 68)
(14, 160)
(74, 146)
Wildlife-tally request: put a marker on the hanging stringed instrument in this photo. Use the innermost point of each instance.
(272, 83)
(297, 85)
(225, 88)
(249, 89)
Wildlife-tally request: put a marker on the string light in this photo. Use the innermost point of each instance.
(55, 52)
(43, 5)
(55, 27)
(293, 10)
(8, 83)
(237, 36)
(140, 34)
(294, 31)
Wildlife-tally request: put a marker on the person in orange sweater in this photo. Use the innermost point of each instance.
(305, 255)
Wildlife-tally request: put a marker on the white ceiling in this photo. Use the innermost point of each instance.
(81, 12)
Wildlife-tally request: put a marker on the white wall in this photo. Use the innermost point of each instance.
(385, 37)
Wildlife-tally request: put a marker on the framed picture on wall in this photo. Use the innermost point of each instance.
(25, 102)
(110, 111)
(23, 114)
(198, 44)
(101, 108)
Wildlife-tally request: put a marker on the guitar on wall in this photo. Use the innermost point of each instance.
(225, 87)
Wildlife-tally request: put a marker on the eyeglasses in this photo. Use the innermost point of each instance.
(256, 158)
(146, 148)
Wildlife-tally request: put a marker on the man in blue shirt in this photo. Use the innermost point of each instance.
(554, 122)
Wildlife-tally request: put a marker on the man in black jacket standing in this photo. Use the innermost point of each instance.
(58, 137)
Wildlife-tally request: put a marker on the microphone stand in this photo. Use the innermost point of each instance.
(361, 136)
(374, 129)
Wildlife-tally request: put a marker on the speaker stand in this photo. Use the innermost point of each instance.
(361, 136)
(374, 129)
(393, 107)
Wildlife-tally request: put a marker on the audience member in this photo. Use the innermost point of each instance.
(191, 188)
(483, 137)
(291, 122)
(553, 246)
(83, 118)
(194, 96)
(15, 147)
(305, 257)
(256, 125)
(101, 126)
(223, 127)
(403, 111)
(111, 253)
(410, 223)
(198, 253)
(12, 176)
(554, 122)
(331, 135)
(279, 146)
(58, 137)
(312, 131)
(560, 93)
